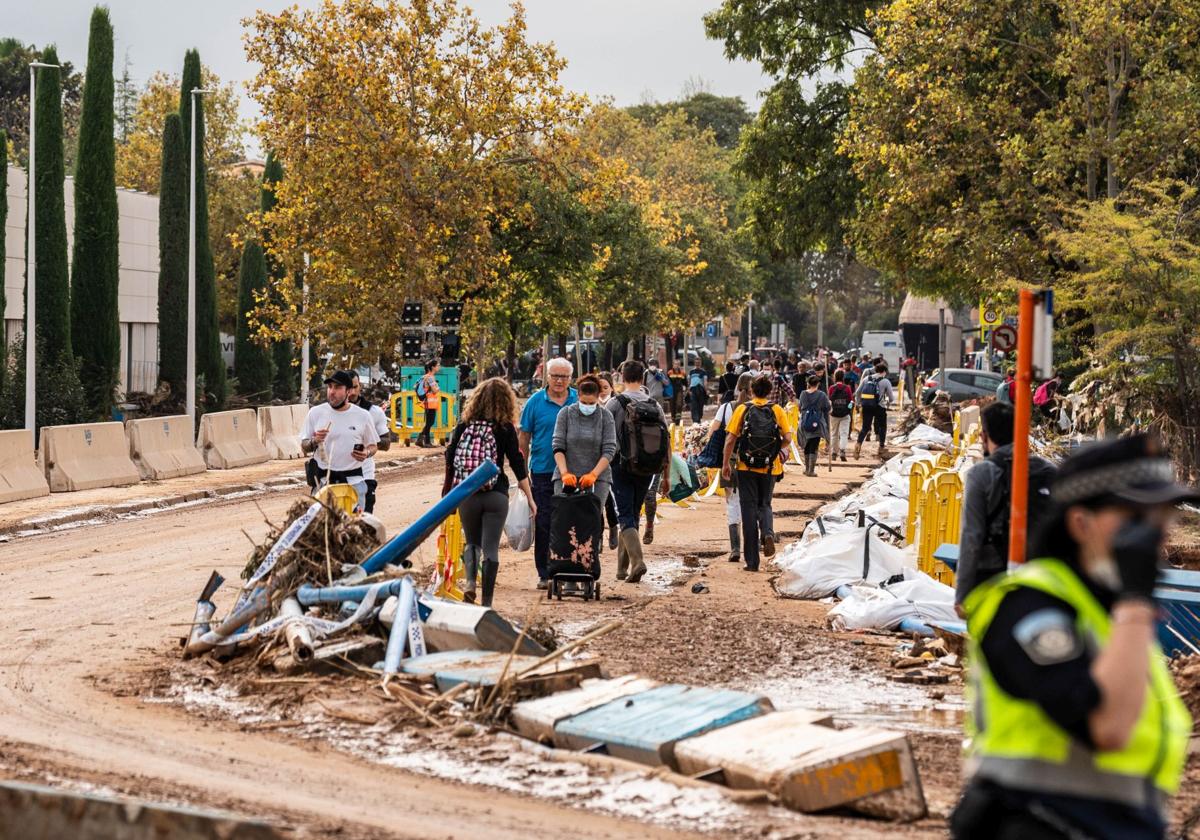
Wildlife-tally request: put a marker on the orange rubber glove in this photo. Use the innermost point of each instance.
(569, 480)
(587, 481)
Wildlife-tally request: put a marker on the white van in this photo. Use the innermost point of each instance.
(886, 343)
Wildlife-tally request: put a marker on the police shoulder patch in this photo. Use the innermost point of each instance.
(1048, 636)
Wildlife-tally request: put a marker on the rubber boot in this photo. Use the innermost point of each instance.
(735, 543)
(470, 561)
(810, 464)
(857, 451)
(490, 569)
(622, 559)
(633, 550)
(651, 512)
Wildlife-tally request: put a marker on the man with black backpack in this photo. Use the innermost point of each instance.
(643, 453)
(983, 543)
(841, 402)
(758, 432)
(874, 396)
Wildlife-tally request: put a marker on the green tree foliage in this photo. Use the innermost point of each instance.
(1138, 274)
(95, 277)
(979, 126)
(15, 57)
(60, 395)
(52, 282)
(172, 259)
(209, 363)
(252, 359)
(724, 116)
(283, 351)
(801, 191)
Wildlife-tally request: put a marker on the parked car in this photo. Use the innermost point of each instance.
(961, 384)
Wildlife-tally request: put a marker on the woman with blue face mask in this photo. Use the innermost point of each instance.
(585, 441)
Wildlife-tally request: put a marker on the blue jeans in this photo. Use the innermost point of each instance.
(543, 497)
(629, 492)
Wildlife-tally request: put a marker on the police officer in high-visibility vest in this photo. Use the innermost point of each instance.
(1076, 728)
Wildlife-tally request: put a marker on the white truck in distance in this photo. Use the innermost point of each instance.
(886, 343)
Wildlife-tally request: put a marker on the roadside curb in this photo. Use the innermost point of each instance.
(96, 514)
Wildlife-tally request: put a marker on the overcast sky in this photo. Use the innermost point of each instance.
(629, 50)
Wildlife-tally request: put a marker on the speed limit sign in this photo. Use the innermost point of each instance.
(1004, 339)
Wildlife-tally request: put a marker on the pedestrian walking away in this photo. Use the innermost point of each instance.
(987, 496)
(678, 381)
(841, 410)
(729, 379)
(782, 392)
(382, 429)
(814, 408)
(874, 396)
(717, 436)
(1076, 727)
(643, 452)
(340, 436)
(429, 394)
(486, 433)
(697, 381)
(536, 438)
(756, 437)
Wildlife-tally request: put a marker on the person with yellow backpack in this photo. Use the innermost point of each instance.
(1076, 727)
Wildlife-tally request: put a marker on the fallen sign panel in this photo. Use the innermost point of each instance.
(20, 477)
(86, 456)
(485, 668)
(31, 811)
(536, 719)
(812, 767)
(645, 727)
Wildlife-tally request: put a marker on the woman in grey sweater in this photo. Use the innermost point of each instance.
(814, 422)
(585, 441)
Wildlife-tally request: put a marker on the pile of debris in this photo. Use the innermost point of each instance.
(928, 662)
(1186, 671)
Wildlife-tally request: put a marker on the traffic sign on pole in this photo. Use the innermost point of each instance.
(1004, 339)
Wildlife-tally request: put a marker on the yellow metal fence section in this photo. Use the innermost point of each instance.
(406, 417)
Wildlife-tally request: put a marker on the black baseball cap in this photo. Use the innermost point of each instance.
(1132, 470)
(340, 377)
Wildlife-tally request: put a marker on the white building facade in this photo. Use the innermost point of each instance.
(138, 293)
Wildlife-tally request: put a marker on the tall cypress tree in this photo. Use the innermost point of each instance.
(286, 386)
(251, 360)
(3, 222)
(172, 258)
(95, 268)
(208, 335)
(52, 281)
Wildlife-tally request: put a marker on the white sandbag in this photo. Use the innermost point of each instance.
(816, 569)
(926, 434)
(518, 526)
(884, 607)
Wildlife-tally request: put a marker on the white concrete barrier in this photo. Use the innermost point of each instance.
(230, 439)
(163, 447)
(20, 477)
(280, 427)
(85, 456)
(537, 718)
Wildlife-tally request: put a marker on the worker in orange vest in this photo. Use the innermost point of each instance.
(429, 394)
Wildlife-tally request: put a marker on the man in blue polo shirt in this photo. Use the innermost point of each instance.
(536, 438)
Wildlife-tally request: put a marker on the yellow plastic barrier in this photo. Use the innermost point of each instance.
(406, 417)
(451, 543)
(342, 497)
(935, 497)
(916, 490)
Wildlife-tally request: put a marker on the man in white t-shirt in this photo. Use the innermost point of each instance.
(380, 421)
(339, 435)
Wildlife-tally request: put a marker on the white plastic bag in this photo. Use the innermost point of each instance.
(883, 608)
(816, 569)
(518, 527)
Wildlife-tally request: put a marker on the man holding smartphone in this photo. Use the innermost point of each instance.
(340, 435)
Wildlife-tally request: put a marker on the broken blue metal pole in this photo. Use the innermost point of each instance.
(308, 595)
(399, 635)
(406, 542)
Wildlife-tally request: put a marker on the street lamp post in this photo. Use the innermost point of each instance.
(191, 292)
(31, 265)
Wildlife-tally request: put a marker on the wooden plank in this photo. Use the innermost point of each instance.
(484, 668)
